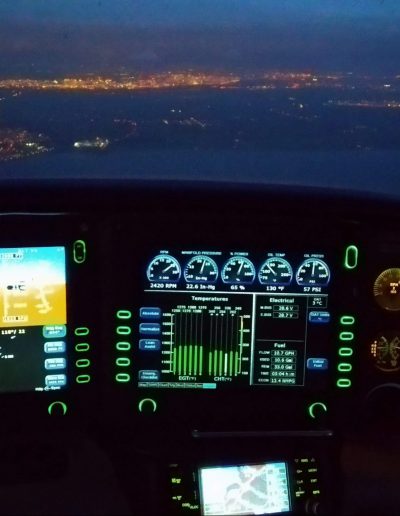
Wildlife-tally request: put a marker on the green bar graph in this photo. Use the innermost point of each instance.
(196, 349)
(214, 336)
(185, 360)
(190, 359)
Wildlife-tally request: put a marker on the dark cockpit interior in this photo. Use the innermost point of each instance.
(166, 350)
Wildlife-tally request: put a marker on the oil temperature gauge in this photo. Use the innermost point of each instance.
(387, 289)
(385, 351)
(201, 269)
(164, 268)
(238, 270)
(275, 271)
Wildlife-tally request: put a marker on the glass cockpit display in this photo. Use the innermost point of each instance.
(244, 489)
(211, 318)
(33, 318)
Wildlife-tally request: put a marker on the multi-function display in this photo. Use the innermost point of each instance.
(244, 489)
(211, 318)
(33, 318)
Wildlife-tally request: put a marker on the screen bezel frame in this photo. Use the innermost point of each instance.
(236, 465)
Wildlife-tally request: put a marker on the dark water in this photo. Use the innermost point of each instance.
(285, 136)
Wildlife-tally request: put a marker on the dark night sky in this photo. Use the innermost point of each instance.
(194, 12)
(70, 36)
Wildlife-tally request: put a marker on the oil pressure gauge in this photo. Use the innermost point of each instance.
(313, 271)
(387, 289)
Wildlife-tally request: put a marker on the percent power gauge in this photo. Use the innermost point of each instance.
(201, 269)
(387, 289)
(275, 271)
(238, 270)
(385, 351)
(164, 268)
(313, 272)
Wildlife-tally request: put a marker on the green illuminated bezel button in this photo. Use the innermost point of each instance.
(351, 257)
(347, 320)
(82, 331)
(79, 251)
(124, 314)
(122, 377)
(83, 378)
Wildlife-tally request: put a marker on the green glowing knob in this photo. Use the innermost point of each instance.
(57, 408)
(317, 409)
(147, 405)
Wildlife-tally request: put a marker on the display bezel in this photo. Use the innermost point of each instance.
(56, 230)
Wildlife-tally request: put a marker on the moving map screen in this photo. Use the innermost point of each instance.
(244, 489)
(33, 318)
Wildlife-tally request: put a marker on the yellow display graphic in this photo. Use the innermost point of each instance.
(32, 286)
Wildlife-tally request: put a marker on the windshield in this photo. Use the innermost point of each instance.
(100, 87)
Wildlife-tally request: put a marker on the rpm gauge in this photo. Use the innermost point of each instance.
(238, 270)
(164, 268)
(201, 269)
(387, 289)
(275, 271)
(313, 272)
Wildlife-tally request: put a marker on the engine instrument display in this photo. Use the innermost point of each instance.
(33, 318)
(233, 318)
(387, 289)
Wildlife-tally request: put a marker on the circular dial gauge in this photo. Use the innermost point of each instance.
(275, 271)
(387, 289)
(164, 268)
(385, 351)
(313, 272)
(238, 270)
(201, 269)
